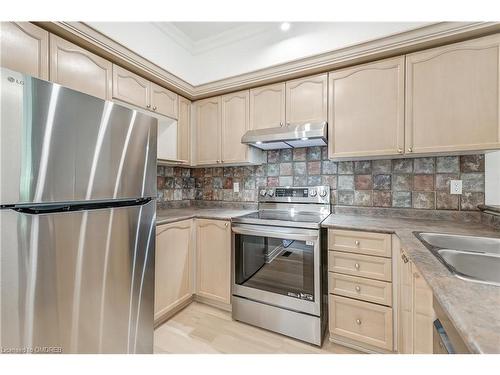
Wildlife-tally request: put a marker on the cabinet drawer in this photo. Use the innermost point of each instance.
(360, 288)
(360, 265)
(361, 321)
(368, 243)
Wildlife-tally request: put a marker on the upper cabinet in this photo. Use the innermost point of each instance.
(208, 126)
(133, 89)
(452, 97)
(184, 131)
(25, 48)
(79, 69)
(235, 122)
(366, 112)
(164, 101)
(130, 87)
(306, 99)
(267, 106)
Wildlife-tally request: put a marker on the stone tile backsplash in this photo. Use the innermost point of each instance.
(420, 183)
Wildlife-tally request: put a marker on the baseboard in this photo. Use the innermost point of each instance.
(210, 302)
(170, 313)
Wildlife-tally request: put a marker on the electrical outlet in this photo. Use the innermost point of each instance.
(236, 187)
(455, 186)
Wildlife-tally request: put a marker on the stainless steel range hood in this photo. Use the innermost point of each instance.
(289, 136)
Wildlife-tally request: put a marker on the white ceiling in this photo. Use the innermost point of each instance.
(201, 52)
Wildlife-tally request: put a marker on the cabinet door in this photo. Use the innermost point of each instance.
(183, 131)
(267, 106)
(405, 305)
(173, 260)
(452, 97)
(130, 87)
(164, 101)
(79, 69)
(235, 122)
(366, 110)
(25, 48)
(213, 260)
(306, 99)
(423, 315)
(208, 126)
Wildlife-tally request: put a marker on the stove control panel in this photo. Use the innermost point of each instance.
(310, 194)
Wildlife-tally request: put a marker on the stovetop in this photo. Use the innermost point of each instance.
(301, 207)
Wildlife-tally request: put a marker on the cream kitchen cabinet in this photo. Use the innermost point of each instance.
(416, 313)
(184, 131)
(132, 88)
(25, 48)
(452, 97)
(220, 124)
(267, 106)
(306, 99)
(173, 268)
(213, 260)
(79, 69)
(366, 110)
(208, 131)
(163, 101)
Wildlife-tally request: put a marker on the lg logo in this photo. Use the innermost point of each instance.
(13, 80)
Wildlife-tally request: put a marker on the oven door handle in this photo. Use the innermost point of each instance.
(276, 234)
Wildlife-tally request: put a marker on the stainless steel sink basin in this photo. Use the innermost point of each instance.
(468, 257)
(464, 243)
(476, 266)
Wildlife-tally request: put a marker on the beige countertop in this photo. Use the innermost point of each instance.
(170, 215)
(473, 308)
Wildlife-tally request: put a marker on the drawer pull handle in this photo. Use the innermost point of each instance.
(356, 242)
(358, 289)
(358, 321)
(356, 266)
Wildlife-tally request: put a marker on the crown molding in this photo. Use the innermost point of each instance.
(428, 36)
(174, 33)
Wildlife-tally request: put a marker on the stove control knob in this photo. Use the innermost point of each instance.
(263, 193)
(270, 192)
(312, 192)
(322, 193)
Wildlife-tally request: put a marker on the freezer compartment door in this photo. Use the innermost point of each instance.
(60, 145)
(78, 282)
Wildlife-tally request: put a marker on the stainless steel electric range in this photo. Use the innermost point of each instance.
(279, 262)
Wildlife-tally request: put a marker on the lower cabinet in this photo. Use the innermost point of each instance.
(416, 313)
(361, 290)
(173, 267)
(213, 260)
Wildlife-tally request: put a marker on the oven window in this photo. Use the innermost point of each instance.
(276, 265)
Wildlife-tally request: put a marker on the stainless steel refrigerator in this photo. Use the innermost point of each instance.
(77, 221)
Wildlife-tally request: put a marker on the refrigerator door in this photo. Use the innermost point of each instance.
(60, 145)
(78, 282)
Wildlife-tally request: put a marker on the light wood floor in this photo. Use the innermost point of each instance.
(200, 329)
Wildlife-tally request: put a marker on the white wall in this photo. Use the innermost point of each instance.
(492, 178)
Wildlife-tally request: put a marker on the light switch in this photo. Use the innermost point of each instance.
(455, 186)
(236, 187)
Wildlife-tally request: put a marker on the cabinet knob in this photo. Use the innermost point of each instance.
(358, 321)
(356, 242)
(358, 289)
(400, 150)
(226, 225)
(281, 124)
(148, 106)
(410, 149)
(287, 124)
(154, 108)
(356, 266)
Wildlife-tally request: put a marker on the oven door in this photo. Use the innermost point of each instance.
(277, 265)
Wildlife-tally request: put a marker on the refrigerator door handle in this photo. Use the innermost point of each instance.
(36, 209)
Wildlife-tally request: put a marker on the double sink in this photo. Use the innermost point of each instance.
(467, 257)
